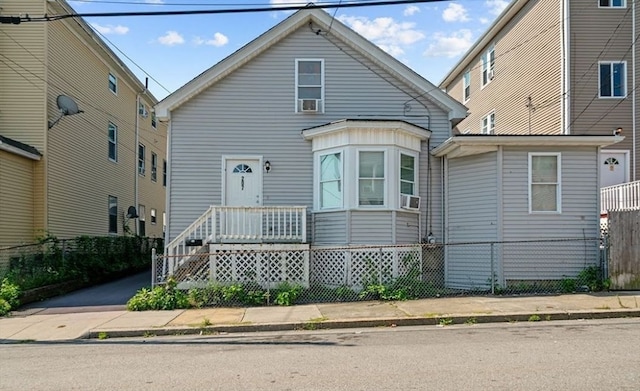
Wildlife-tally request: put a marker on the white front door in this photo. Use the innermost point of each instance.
(243, 188)
(613, 167)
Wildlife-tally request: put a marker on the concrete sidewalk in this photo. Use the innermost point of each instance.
(41, 324)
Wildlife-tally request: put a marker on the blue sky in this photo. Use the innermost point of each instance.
(428, 37)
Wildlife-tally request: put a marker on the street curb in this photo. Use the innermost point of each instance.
(360, 323)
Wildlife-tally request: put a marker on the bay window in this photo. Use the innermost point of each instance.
(371, 178)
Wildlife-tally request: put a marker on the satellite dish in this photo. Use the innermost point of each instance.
(132, 213)
(66, 106)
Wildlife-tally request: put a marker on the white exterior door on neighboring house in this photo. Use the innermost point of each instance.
(243, 187)
(614, 167)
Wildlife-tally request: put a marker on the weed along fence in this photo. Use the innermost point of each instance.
(327, 274)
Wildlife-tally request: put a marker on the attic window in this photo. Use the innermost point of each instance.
(113, 83)
(309, 85)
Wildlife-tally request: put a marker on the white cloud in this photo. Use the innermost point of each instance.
(455, 13)
(411, 10)
(171, 38)
(389, 35)
(451, 45)
(484, 20)
(110, 29)
(218, 40)
(154, 1)
(496, 6)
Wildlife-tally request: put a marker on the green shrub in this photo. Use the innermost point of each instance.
(166, 297)
(287, 293)
(9, 294)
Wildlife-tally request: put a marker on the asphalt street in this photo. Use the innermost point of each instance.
(563, 355)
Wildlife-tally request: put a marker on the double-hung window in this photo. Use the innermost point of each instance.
(489, 123)
(154, 218)
(142, 229)
(331, 181)
(371, 178)
(113, 142)
(154, 167)
(545, 182)
(466, 86)
(309, 85)
(488, 65)
(113, 83)
(613, 81)
(113, 215)
(407, 174)
(612, 4)
(154, 120)
(141, 163)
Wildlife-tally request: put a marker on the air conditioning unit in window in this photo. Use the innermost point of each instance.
(491, 74)
(310, 105)
(409, 202)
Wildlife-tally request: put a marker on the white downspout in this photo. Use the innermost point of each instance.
(633, 85)
(135, 162)
(565, 79)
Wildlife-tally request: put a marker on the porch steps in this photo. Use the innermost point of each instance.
(195, 267)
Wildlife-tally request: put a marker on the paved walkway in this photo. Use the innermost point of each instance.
(42, 324)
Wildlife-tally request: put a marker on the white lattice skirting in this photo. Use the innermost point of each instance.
(270, 265)
(352, 266)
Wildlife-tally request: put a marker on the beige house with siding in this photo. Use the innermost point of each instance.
(556, 67)
(75, 174)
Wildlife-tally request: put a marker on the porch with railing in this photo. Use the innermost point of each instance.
(238, 224)
(625, 196)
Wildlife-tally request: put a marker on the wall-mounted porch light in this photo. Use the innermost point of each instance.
(267, 166)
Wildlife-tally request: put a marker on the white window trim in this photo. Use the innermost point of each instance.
(319, 179)
(486, 55)
(115, 141)
(558, 210)
(415, 172)
(322, 85)
(142, 168)
(487, 117)
(466, 98)
(611, 6)
(109, 215)
(610, 63)
(385, 182)
(115, 78)
(153, 215)
(154, 167)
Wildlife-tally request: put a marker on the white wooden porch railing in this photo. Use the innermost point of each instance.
(239, 224)
(625, 196)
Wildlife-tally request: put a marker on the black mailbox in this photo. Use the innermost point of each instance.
(193, 242)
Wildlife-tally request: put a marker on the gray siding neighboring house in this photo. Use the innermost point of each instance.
(548, 61)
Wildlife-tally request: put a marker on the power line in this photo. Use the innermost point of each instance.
(49, 18)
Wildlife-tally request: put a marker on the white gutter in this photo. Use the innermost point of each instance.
(17, 151)
(565, 75)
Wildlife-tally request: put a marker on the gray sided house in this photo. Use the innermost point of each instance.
(296, 155)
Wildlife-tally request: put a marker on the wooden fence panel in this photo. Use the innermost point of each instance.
(624, 255)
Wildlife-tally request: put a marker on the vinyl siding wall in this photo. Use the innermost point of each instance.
(579, 218)
(600, 34)
(251, 112)
(472, 213)
(528, 63)
(22, 75)
(80, 174)
(16, 198)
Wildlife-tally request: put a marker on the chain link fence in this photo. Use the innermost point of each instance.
(390, 272)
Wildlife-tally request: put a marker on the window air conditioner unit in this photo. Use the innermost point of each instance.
(310, 105)
(409, 202)
(491, 74)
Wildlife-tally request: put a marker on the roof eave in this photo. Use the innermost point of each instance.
(459, 146)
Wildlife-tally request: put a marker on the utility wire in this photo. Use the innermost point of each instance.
(49, 18)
